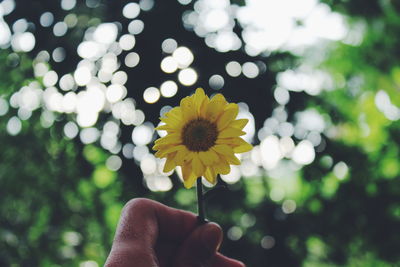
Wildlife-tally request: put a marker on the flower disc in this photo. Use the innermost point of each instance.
(199, 135)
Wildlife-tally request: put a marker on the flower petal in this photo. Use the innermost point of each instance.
(197, 165)
(188, 109)
(238, 144)
(182, 156)
(229, 114)
(175, 112)
(242, 147)
(222, 166)
(159, 154)
(232, 159)
(208, 157)
(230, 132)
(198, 99)
(232, 141)
(163, 152)
(158, 146)
(169, 164)
(163, 127)
(173, 118)
(215, 107)
(239, 124)
(204, 107)
(210, 175)
(169, 139)
(223, 149)
(189, 178)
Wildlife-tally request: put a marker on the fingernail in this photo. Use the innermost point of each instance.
(212, 236)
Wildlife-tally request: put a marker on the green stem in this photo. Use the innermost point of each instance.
(200, 203)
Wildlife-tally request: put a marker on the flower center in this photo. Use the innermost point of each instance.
(199, 135)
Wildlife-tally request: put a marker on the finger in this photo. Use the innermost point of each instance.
(125, 255)
(200, 247)
(164, 250)
(142, 222)
(222, 261)
(149, 220)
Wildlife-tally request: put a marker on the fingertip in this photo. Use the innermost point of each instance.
(223, 261)
(211, 236)
(201, 246)
(137, 205)
(236, 263)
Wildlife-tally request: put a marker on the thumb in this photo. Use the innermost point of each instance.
(200, 247)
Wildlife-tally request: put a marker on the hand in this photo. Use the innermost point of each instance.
(150, 234)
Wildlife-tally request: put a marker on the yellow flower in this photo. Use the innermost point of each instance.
(202, 137)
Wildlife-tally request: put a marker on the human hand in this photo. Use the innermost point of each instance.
(150, 234)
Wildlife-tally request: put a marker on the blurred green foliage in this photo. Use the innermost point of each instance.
(60, 204)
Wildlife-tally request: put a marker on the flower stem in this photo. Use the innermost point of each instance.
(200, 206)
